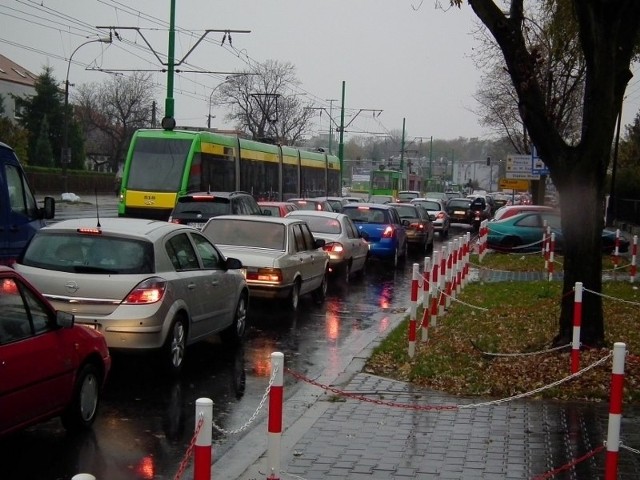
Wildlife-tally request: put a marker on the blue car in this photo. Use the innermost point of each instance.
(382, 227)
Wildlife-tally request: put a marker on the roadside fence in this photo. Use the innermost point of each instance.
(202, 447)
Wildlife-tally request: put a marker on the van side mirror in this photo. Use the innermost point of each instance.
(49, 210)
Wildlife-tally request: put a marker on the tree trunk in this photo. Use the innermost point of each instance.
(582, 223)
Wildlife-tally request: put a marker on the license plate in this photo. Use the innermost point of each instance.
(458, 212)
(197, 225)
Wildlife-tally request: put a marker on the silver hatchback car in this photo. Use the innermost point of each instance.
(347, 248)
(146, 285)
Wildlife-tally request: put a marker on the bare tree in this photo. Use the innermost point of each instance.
(263, 105)
(607, 33)
(550, 33)
(111, 112)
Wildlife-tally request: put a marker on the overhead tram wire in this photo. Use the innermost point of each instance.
(74, 23)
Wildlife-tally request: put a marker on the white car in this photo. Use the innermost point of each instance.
(348, 250)
(146, 285)
(281, 257)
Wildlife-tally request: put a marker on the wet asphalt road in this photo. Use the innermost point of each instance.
(146, 419)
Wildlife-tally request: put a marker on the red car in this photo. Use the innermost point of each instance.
(511, 210)
(277, 209)
(49, 367)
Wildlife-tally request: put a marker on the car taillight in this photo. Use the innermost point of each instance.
(389, 232)
(149, 291)
(266, 275)
(440, 216)
(417, 226)
(334, 247)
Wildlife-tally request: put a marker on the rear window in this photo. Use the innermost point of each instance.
(274, 211)
(211, 207)
(429, 205)
(368, 215)
(71, 252)
(406, 211)
(246, 233)
(453, 203)
(322, 224)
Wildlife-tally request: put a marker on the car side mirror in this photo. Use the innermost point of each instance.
(233, 264)
(406, 223)
(319, 243)
(364, 235)
(49, 210)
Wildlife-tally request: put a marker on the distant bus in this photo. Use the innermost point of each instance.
(162, 164)
(385, 182)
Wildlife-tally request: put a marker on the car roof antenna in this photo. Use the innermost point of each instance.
(97, 208)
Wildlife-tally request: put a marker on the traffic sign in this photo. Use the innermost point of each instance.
(514, 184)
(519, 167)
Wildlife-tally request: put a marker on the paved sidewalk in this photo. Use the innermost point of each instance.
(386, 429)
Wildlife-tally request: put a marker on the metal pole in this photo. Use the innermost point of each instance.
(65, 154)
(169, 122)
(331, 100)
(341, 144)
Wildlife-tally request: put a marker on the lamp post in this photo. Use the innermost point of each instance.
(226, 79)
(65, 155)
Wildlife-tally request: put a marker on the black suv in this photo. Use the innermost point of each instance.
(196, 208)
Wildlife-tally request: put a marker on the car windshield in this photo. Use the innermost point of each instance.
(73, 252)
(322, 224)
(246, 233)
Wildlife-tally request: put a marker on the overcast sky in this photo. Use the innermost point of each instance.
(402, 59)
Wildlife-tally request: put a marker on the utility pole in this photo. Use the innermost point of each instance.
(402, 179)
(341, 144)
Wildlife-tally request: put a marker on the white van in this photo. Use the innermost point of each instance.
(20, 216)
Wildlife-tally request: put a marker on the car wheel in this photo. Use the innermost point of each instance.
(395, 260)
(83, 408)
(175, 345)
(320, 293)
(346, 272)
(294, 296)
(234, 333)
(509, 243)
(363, 271)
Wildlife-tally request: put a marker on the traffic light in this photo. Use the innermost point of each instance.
(488, 161)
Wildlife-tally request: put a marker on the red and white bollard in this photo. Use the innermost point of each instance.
(426, 280)
(276, 399)
(577, 322)
(467, 255)
(615, 412)
(414, 310)
(202, 447)
(616, 249)
(443, 280)
(634, 254)
(449, 277)
(435, 288)
(552, 247)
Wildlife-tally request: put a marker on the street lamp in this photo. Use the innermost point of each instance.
(226, 79)
(65, 155)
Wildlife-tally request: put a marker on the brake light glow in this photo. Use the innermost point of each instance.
(89, 231)
(389, 232)
(417, 226)
(264, 275)
(333, 247)
(202, 198)
(149, 291)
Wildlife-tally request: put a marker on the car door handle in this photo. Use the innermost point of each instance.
(215, 282)
(191, 286)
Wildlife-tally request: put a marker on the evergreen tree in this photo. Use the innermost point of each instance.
(42, 153)
(48, 103)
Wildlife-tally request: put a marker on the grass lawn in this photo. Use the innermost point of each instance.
(515, 318)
